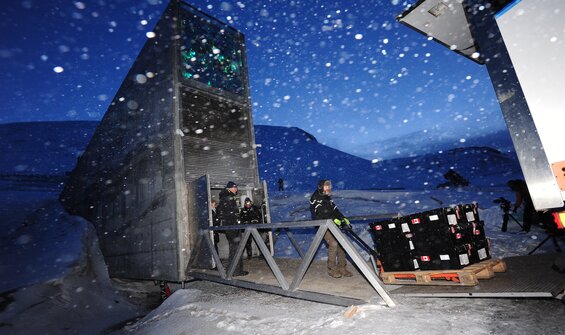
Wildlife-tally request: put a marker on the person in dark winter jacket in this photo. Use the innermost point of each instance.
(280, 182)
(523, 197)
(322, 207)
(250, 214)
(228, 215)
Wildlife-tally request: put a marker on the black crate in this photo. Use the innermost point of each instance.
(430, 231)
(455, 215)
(453, 259)
(479, 250)
(395, 261)
(471, 212)
(461, 233)
(443, 238)
(477, 230)
(388, 237)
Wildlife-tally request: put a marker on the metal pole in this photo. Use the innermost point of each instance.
(294, 243)
(272, 263)
(308, 258)
(215, 255)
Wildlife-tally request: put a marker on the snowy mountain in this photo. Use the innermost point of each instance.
(296, 156)
(42, 148)
(423, 142)
(481, 166)
(51, 149)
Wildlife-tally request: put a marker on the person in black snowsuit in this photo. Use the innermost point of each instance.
(280, 182)
(228, 215)
(250, 214)
(523, 197)
(322, 207)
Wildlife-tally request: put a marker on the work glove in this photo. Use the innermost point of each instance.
(343, 224)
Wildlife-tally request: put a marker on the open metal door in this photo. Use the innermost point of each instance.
(267, 217)
(200, 218)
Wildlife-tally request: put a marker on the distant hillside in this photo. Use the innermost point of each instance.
(51, 149)
(481, 166)
(424, 142)
(298, 158)
(42, 148)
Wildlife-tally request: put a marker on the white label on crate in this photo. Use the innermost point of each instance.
(482, 253)
(444, 257)
(405, 228)
(452, 219)
(411, 245)
(433, 217)
(470, 216)
(463, 259)
(416, 265)
(391, 226)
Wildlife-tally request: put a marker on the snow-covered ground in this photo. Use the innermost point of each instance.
(54, 281)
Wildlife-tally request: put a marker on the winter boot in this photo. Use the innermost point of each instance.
(345, 273)
(334, 273)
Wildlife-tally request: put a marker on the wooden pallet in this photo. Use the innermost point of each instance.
(487, 269)
(468, 276)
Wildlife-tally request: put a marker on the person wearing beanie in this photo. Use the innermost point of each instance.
(250, 214)
(228, 215)
(322, 207)
(523, 196)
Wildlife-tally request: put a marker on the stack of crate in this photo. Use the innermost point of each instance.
(439, 239)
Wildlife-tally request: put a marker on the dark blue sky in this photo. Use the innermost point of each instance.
(345, 71)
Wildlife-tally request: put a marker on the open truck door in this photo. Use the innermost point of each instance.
(521, 44)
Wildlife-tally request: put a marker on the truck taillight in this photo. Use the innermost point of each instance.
(559, 218)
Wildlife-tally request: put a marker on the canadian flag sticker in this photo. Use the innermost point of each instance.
(378, 227)
(416, 221)
(425, 258)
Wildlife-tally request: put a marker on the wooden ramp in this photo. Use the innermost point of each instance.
(525, 277)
